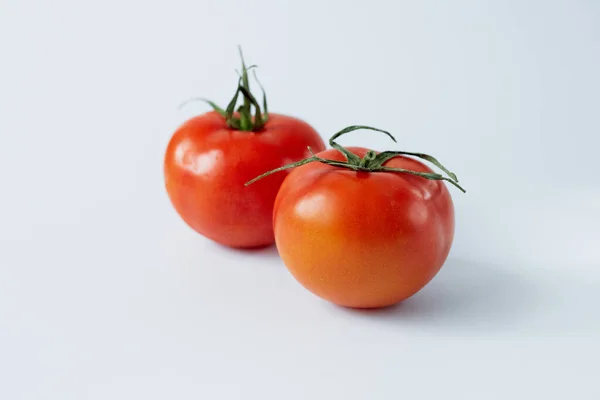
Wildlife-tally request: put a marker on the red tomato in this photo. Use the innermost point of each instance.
(363, 239)
(207, 164)
(211, 156)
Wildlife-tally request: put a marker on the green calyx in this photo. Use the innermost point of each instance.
(371, 162)
(242, 118)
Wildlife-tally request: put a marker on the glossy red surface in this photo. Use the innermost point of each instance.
(363, 239)
(207, 164)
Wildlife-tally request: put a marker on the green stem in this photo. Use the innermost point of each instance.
(242, 118)
(432, 176)
(210, 103)
(245, 112)
(294, 165)
(367, 159)
(265, 108)
(386, 155)
(371, 162)
(248, 96)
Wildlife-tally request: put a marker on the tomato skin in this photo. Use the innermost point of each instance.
(363, 239)
(207, 164)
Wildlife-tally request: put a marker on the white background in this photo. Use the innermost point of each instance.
(106, 294)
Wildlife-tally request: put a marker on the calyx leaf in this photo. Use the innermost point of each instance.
(242, 118)
(371, 162)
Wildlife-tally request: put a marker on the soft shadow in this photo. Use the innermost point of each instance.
(466, 295)
(268, 252)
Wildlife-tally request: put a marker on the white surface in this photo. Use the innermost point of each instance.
(106, 294)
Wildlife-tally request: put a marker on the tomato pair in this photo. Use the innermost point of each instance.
(356, 227)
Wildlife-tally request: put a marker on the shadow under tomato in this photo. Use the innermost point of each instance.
(267, 252)
(464, 295)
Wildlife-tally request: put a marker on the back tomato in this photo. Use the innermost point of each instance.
(207, 163)
(363, 239)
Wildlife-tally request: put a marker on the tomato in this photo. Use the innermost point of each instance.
(363, 238)
(211, 156)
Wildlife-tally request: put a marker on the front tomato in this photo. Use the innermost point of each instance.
(364, 229)
(211, 156)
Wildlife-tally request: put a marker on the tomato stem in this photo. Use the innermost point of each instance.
(242, 118)
(371, 162)
(245, 112)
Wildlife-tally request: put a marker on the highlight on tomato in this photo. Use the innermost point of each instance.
(211, 156)
(363, 229)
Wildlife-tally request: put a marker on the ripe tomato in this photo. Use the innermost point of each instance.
(361, 238)
(211, 156)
